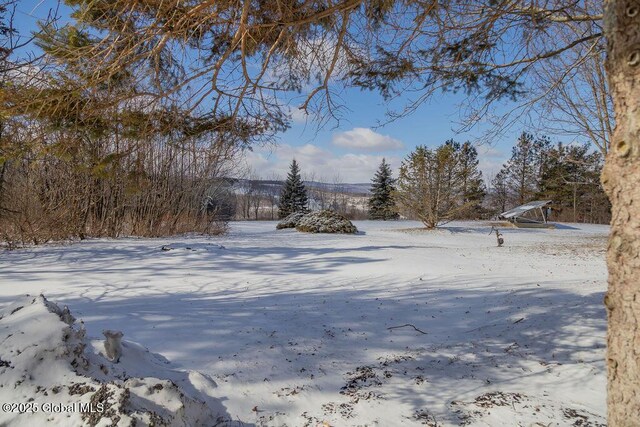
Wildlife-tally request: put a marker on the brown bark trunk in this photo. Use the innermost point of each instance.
(620, 179)
(3, 170)
(575, 197)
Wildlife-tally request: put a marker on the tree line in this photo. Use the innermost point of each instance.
(568, 175)
(78, 160)
(441, 184)
(65, 174)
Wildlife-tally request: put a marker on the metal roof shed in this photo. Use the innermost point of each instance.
(527, 215)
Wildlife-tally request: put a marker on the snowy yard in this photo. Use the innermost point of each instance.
(305, 330)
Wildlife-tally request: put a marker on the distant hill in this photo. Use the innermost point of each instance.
(361, 189)
(341, 187)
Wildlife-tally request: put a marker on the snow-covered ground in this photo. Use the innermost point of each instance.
(393, 326)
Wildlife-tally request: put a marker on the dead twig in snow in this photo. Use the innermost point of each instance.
(405, 325)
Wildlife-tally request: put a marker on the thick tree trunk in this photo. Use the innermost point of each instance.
(620, 178)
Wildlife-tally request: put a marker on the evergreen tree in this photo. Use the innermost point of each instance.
(571, 179)
(293, 197)
(567, 175)
(557, 175)
(500, 193)
(525, 168)
(381, 203)
(463, 178)
(469, 176)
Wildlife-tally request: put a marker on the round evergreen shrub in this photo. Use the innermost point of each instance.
(291, 220)
(325, 222)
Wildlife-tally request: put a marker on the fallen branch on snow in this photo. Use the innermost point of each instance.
(407, 324)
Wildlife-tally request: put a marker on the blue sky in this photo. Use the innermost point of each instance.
(353, 148)
(349, 150)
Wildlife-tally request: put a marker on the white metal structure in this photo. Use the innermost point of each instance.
(517, 214)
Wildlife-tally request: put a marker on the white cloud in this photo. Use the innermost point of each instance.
(298, 115)
(321, 164)
(316, 163)
(490, 161)
(366, 140)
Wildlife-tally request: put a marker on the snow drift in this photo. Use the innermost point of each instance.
(52, 374)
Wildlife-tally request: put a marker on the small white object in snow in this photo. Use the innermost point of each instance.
(113, 345)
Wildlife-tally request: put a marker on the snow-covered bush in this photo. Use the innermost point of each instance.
(325, 222)
(291, 220)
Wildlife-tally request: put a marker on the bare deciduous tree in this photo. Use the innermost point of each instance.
(577, 101)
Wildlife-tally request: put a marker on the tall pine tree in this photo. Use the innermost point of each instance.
(500, 192)
(470, 178)
(381, 203)
(524, 170)
(293, 197)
